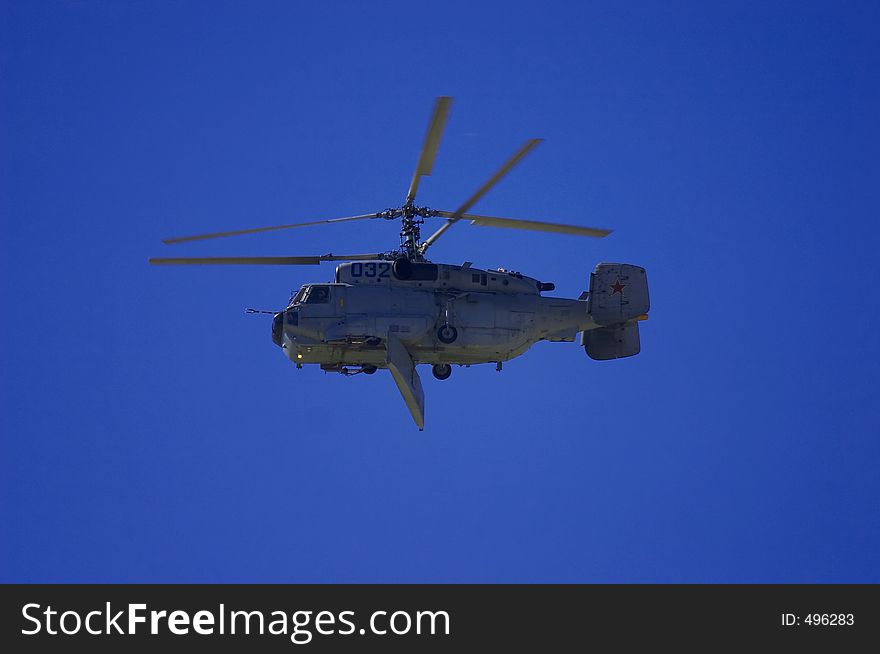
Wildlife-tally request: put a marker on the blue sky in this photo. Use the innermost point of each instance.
(152, 432)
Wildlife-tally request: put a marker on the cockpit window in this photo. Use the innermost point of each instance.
(318, 295)
(300, 294)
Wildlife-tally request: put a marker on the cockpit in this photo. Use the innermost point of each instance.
(311, 294)
(317, 295)
(312, 301)
(297, 298)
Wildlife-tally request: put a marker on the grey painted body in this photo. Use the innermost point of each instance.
(369, 312)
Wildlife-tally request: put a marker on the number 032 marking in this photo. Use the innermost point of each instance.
(370, 269)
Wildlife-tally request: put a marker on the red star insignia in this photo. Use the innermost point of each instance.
(617, 287)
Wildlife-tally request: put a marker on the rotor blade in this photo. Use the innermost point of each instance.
(530, 145)
(432, 142)
(244, 261)
(255, 230)
(534, 225)
(485, 188)
(268, 261)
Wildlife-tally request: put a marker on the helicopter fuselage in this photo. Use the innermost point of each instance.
(395, 309)
(442, 314)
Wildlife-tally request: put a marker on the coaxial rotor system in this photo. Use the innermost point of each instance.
(411, 216)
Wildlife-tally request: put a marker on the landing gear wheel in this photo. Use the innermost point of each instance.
(441, 370)
(369, 370)
(447, 334)
(373, 341)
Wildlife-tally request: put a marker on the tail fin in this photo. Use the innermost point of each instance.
(618, 293)
(618, 299)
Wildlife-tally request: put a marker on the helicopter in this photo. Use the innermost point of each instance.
(396, 310)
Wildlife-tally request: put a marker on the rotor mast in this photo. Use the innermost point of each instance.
(410, 231)
(411, 220)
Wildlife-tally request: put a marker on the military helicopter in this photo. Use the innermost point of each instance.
(396, 309)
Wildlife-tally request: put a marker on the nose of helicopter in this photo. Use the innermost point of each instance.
(278, 329)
